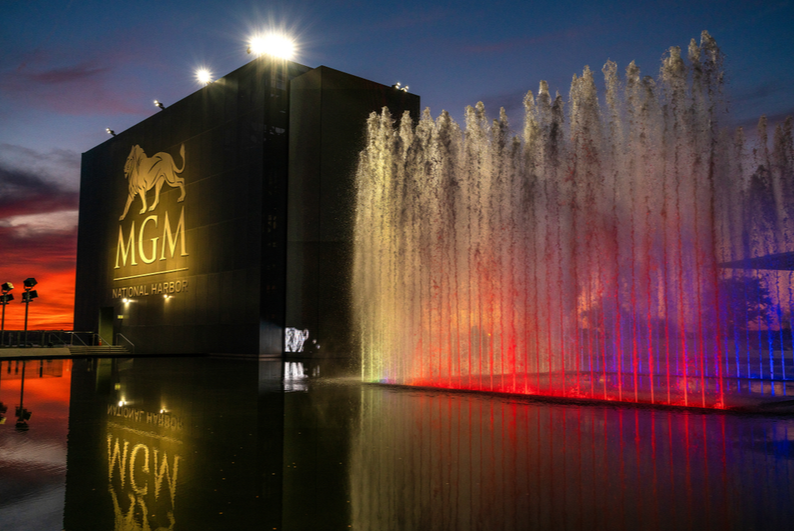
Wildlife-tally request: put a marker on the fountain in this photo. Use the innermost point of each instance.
(586, 257)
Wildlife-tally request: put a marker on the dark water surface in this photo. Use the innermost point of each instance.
(201, 443)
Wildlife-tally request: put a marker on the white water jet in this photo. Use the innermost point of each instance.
(582, 257)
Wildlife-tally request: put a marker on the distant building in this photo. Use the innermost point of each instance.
(225, 219)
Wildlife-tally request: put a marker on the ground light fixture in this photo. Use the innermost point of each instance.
(5, 298)
(27, 297)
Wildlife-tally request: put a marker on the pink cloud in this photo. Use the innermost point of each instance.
(81, 88)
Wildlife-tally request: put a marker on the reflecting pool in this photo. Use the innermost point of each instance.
(200, 443)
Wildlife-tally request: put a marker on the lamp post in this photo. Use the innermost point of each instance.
(5, 298)
(28, 296)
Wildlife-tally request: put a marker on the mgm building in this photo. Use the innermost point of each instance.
(222, 224)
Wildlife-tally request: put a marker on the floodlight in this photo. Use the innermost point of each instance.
(111, 132)
(277, 45)
(6, 298)
(28, 296)
(29, 282)
(6, 287)
(159, 104)
(204, 76)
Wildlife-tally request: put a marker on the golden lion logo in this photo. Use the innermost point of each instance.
(145, 173)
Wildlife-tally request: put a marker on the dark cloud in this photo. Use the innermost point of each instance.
(23, 193)
(59, 165)
(71, 74)
(46, 251)
(38, 245)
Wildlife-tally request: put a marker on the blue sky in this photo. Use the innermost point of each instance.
(69, 69)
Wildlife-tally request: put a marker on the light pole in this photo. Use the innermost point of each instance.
(28, 296)
(5, 298)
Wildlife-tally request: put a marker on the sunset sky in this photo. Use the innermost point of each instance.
(69, 69)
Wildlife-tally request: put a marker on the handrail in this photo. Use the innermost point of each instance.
(57, 337)
(98, 340)
(122, 336)
(72, 340)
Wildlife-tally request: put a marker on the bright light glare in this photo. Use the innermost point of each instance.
(274, 44)
(204, 76)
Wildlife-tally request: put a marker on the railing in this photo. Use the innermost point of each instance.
(55, 339)
(40, 338)
(76, 335)
(99, 341)
(122, 338)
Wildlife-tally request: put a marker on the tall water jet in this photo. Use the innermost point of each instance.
(603, 253)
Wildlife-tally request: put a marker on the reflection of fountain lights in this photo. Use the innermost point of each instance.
(492, 463)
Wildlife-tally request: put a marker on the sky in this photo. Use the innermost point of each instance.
(71, 69)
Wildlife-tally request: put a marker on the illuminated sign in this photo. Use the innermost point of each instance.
(158, 237)
(127, 248)
(144, 173)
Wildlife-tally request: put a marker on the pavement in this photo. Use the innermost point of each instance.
(35, 352)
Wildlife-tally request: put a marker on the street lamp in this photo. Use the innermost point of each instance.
(28, 296)
(5, 298)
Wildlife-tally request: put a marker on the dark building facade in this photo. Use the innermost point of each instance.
(225, 219)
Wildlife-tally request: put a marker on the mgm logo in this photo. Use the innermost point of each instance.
(153, 239)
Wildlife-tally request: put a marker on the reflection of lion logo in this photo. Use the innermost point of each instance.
(144, 173)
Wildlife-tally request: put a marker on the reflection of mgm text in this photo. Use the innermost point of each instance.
(161, 420)
(142, 481)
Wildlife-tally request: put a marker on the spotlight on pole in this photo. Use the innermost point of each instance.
(5, 298)
(27, 297)
(111, 132)
(160, 104)
(397, 86)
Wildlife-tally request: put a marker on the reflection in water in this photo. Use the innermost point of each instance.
(33, 455)
(198, 443)
(443, 461)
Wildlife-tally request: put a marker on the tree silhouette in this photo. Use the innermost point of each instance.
(745, 299)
